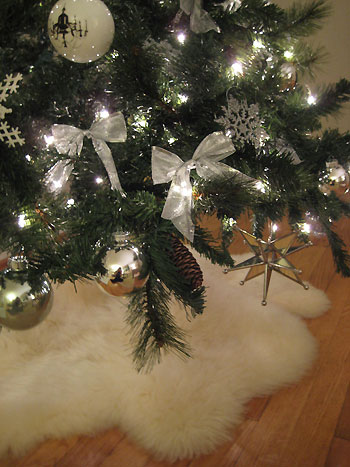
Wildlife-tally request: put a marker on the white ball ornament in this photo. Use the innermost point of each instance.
(81, 30)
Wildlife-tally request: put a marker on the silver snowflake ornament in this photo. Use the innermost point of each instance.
(242, 122)
(9, 135)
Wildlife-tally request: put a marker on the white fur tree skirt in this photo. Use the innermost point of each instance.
(72, 374)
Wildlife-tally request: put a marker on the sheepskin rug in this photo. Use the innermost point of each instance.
(73, 373)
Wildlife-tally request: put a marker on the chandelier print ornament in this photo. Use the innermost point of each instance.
(81, 30)
(8, 135)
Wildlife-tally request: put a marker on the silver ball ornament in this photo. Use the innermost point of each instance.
(127, 268)
(23, 305)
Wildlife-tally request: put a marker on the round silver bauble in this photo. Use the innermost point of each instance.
(23, 305)
(127, 268)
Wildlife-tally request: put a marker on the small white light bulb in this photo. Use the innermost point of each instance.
(103, 113)
(21, 220)
(49, 139)
(98, 180)
(11, 296)
(70, 202)
(181, 37)
(257, 44)
(274, 227)
(306, 228)
(237, 68)
(260, 186)
(288, 54)
(311, 100)
(183, 98)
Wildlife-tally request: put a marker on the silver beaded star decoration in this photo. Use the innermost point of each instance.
(270, 255)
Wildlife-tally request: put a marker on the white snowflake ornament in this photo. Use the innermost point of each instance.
(242, 122)
(8, 135)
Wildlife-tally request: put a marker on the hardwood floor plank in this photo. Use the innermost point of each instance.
(320, 415)
(91, 451)
(228, 454)
(343, 426)
(48, 453)
(323, 270)
(256, 407)
(126, 454)
(287, 422)
(339, 453)
(182, 463)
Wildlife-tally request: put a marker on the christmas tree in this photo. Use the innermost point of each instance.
(196, 107)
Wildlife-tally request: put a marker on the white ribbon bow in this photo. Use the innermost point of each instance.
(230, 5)
(69, 140)
(200, 20)
(167, 167)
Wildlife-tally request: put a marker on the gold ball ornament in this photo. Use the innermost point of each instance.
(81, 30)
(23, 305)
(127, 268)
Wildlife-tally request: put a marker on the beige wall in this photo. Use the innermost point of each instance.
(335, 38)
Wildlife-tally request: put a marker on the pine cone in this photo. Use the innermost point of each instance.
(186, 263)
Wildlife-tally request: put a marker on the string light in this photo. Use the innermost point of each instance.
(181, 37)
(183, 98)
(311, 100)
(22, 221)
(260, 186)
(103, 113)
(288, 54)
(306, 228)
(27, 156)
(257, 44)
(274, 227)
(98, 180)
(49, 139)
(56, 185)
(232, 222)
(237, 68)
(11, 296)
(70, 202)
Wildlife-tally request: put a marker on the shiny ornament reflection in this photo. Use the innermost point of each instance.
(127, 269)
(23, 305)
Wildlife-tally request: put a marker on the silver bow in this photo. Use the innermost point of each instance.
(230, 5)
(69, 140)
(200, 20)
(167, 167)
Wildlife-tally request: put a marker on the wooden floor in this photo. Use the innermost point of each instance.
(307, 425)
